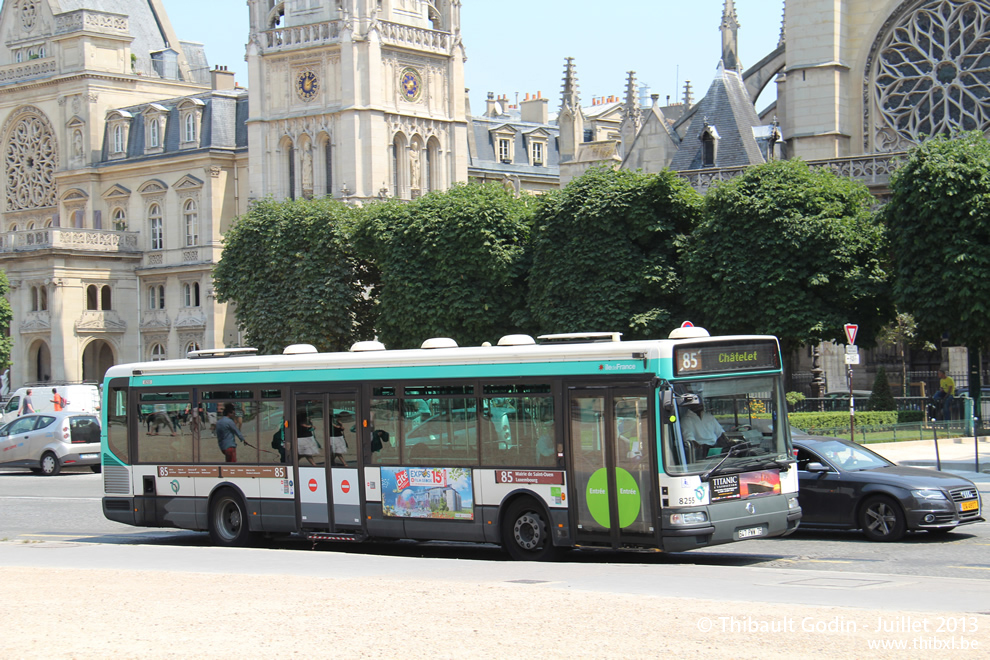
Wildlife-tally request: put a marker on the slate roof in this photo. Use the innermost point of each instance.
(485, 159)
(727, 107)
(223, 126)
(142, 22)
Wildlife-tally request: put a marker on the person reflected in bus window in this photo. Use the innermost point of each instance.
(338, 445)
(228, 433)
(627, 432)
(699, 427)
(306, 443)
(278, 441)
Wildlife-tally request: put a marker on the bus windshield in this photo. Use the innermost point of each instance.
(730, 423)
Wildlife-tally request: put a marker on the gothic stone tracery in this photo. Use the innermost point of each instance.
(30, 161)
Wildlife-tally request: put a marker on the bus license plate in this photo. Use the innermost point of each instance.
(971, 505)
(750, 532)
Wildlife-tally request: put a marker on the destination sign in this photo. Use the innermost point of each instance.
(714, 358)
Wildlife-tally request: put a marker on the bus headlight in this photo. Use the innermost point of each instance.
(792, 503)
(692, 518)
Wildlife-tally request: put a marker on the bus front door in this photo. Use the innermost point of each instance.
(613, 467)
(325, 442)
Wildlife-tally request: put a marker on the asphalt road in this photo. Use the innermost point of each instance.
(65, 512)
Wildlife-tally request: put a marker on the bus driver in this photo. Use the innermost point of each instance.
(700, 428)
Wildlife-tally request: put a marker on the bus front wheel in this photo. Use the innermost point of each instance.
(526, 532)
(229, 520)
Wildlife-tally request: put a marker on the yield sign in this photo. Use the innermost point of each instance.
(851, 329)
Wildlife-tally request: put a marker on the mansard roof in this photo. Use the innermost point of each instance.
(727, 108)
(484, 152)
(222, 126)
(142, 22)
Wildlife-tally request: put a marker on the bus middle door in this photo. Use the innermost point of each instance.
(326, 445)
(613, 460)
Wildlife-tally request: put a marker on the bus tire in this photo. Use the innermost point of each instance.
(229, 520)
(49, 464)
(526, 534)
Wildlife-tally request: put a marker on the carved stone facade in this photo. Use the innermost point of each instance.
(356, 99)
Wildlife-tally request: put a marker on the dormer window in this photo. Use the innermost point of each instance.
(189, 128)
(504, 141)
(190, 118)
(536, 153)
(154, 128)
(505, 150)
(118, 126)
(154, 134)
(709, 145)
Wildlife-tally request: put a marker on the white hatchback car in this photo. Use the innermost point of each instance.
(47, 442)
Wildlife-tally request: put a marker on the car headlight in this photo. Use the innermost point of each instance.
(692, 518)
(928, 494)
(792, 503)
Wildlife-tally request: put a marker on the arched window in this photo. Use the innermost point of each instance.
(153, 133)
(91, 302)
(328, 167)
(157, 353)
(119, 219)
(106, 301)
(292, 172)
(43, 298)
(34, 299)
(189, 134)
(190, 294)
(192, 346)
(156, 296)
(155, 220)
(192, 223)
(118, 139)
(78, 218)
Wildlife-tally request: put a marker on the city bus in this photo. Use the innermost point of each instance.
(564, 441)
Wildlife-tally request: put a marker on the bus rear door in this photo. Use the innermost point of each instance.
(613, 466)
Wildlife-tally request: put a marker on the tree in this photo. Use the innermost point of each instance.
(903, 334)
(881, 397)
(791, 251)
(452, 264)
(291, 270)
(605, 253)
(6, 316)
(939, 223)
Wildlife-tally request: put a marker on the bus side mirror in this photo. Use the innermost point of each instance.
(667, 401)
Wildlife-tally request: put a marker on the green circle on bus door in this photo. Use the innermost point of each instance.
(628, 498)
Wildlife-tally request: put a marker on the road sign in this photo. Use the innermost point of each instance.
(851, 329)
(852, 348)
(852, 358)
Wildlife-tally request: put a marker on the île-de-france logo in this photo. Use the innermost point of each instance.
(175, 486)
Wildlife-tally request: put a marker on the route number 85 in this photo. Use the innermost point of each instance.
(690, 361)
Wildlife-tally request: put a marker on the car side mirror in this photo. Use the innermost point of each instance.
(816, 467)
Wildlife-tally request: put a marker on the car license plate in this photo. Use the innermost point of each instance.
(750, 531)
(86, 457)
(971, 505)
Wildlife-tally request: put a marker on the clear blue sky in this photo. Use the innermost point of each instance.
(520, 45)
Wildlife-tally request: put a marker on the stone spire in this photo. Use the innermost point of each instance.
(730, 37)
(570, 120)
(783, 26)
(632, 117)
(688, 94)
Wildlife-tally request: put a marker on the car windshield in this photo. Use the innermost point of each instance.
(731, 419)
(849, 456)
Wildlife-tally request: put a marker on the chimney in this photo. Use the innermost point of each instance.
(221, 79)
(490, 105)
(534, 109)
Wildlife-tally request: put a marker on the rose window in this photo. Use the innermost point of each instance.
(30, 160)
(933, 73)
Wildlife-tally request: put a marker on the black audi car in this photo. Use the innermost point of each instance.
(846, 486)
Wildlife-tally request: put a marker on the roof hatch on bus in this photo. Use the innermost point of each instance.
(580, 337)
(439, 342)
(516, 340)
(365, 346)
(299, 349)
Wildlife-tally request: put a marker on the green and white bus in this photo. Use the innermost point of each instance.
(539, 445)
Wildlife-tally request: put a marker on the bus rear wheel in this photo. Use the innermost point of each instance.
(526, 532)
(229, 520)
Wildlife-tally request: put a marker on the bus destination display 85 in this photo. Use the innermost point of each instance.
(715, 358)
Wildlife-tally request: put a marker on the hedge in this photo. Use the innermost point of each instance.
(822, 420)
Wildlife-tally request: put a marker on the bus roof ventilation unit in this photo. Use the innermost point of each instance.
(516, 340)
(439, 342)
(580, 337)
(299, 349)
(220, 352)
(691, 332)
(366, 346)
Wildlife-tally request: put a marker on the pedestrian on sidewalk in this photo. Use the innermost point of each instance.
(945, 395)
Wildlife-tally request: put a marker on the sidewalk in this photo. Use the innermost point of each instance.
(958, 455)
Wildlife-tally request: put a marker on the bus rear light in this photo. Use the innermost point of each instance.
(692, 518)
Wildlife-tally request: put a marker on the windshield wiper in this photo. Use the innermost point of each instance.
(764, 463)
(707, 474)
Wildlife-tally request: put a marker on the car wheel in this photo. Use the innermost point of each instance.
(526, 532)
(49, 464)
(881, 519)
(229, 520)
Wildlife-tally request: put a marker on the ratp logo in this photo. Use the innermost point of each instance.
(175, 486)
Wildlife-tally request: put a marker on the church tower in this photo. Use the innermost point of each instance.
(355, 99)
